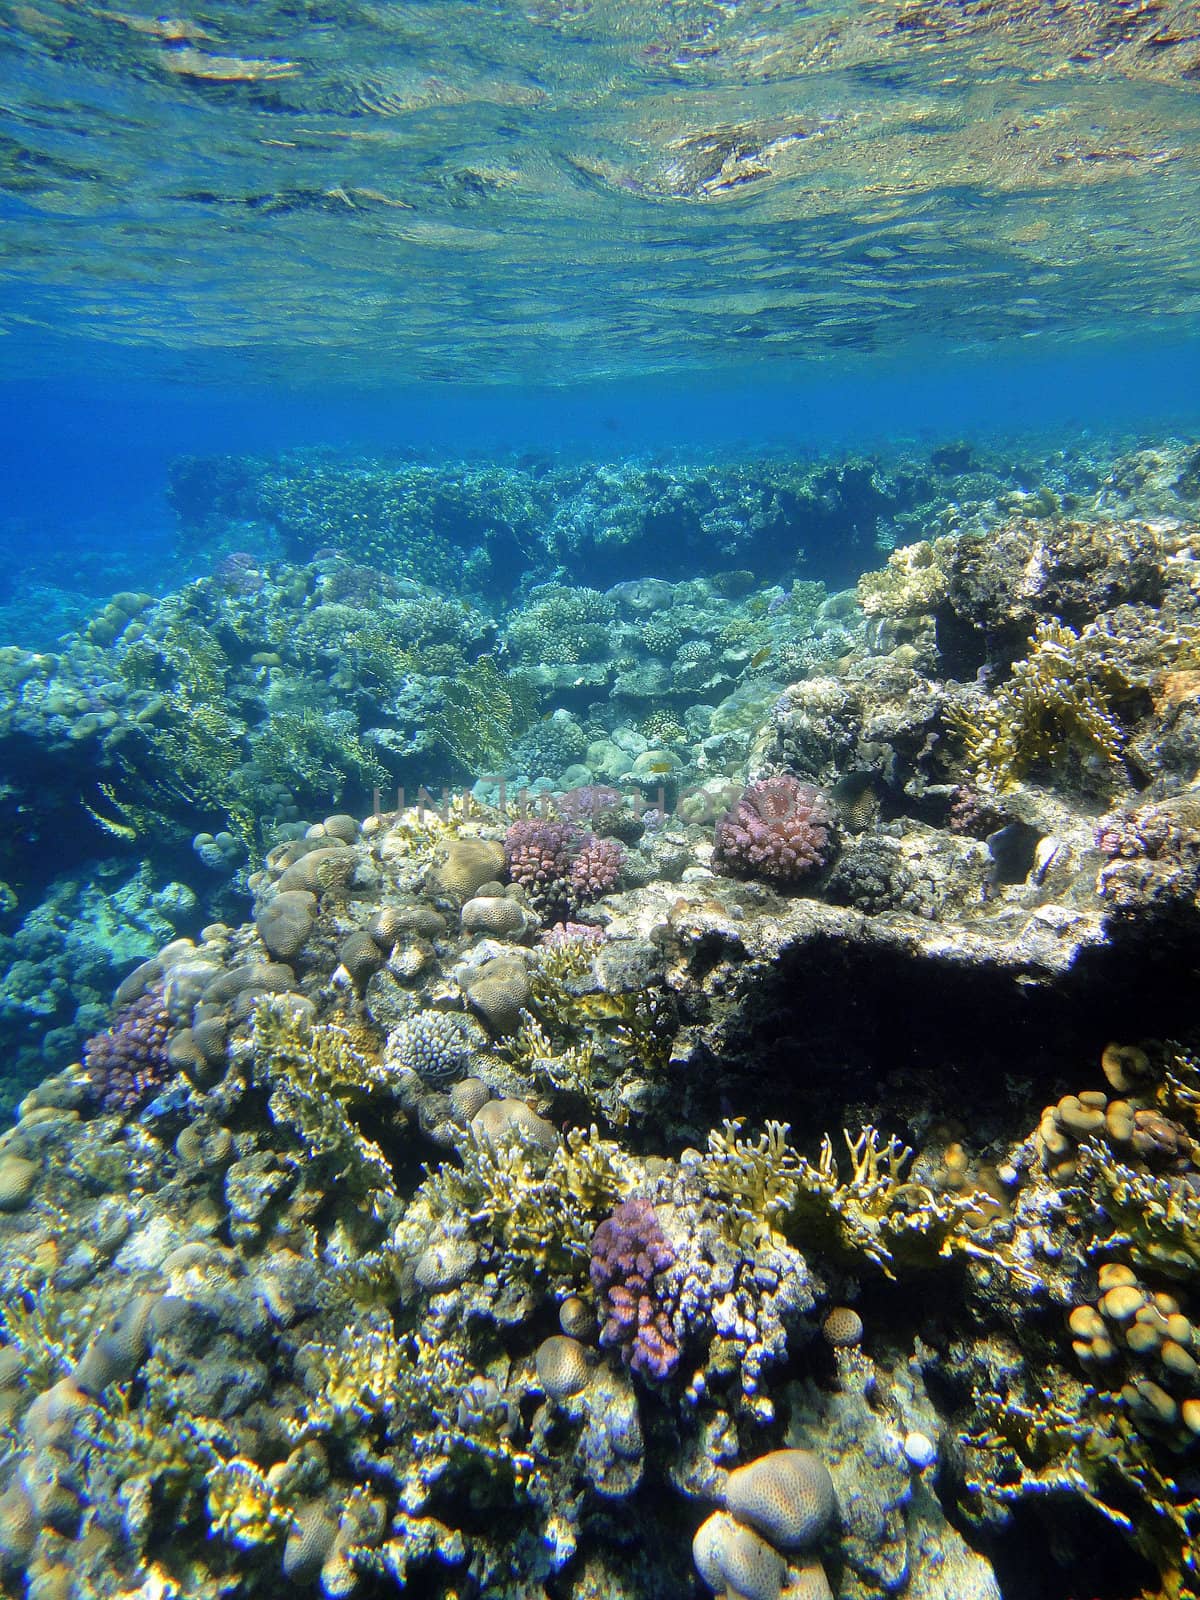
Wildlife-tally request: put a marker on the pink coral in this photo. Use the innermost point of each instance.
(780, 829)
(538, 854)
(630, 1251)
(559, 867)
(595, 869)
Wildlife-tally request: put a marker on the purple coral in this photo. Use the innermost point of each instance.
(972, 814)
(128, 1063)
(595, 868)
(568, 935)
(589, 801)
(559, 867)
(629, 1253)
(538, 854)
(780, 829)
(238, 573)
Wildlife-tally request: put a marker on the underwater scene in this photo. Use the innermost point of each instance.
(600, 800)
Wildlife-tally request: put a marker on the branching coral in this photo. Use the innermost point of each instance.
(305, 1067)
(759, 1180)
(630, 1252)
(543, 1210)
(874, 1215)
(354, 1378)
(1058, 697)
(128, 1063)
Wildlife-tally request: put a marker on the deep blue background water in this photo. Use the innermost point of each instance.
(85, 454)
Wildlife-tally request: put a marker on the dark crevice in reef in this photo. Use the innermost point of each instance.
(834, 1033)
(1067, 1553)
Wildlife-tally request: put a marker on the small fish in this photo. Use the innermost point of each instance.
(759, 656)
(660, 768)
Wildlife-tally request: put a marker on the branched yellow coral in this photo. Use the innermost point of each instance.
(881, 1216)
(532, 1050)
(645, 1024)
(874, 1215)
(1155, 1219)
(1057, 697)
(1074, 1442)
(543, 1212)
(340, 1059)
(359, 1373)
(760, 1180)
(305, 1066)
(449, 1411)
(33, 1322)
(242, 1505)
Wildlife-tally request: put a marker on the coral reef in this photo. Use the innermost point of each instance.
(423, 1213)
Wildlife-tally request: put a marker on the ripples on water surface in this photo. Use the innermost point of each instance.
(466, 191)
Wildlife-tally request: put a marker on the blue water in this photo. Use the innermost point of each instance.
(84, 457)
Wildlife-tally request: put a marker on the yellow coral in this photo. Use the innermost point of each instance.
(242, 1506)
(359, 1373)
(874, 1215)
(760, 1180)
(307, 1067)
(1056, 698)
(544, 1212)
(911, 584)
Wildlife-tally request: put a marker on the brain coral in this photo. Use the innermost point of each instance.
(780, 829)
(786, 1495)
(469, 864)
(285, 924)
(735, 1562)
